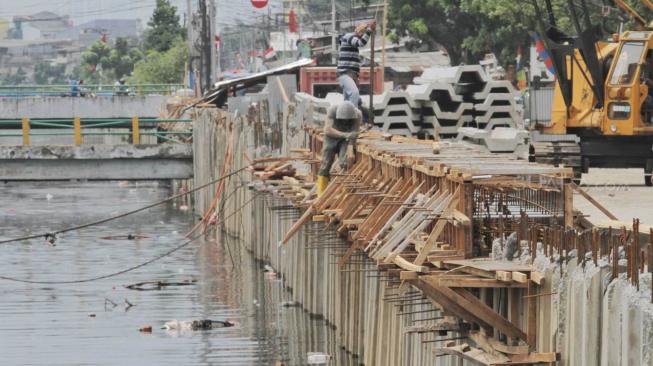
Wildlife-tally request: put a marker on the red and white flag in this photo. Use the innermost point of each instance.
(269, 53)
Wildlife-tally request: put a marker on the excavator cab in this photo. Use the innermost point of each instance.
(629, 107)
(603, 103)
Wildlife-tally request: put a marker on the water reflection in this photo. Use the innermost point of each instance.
(92, 324)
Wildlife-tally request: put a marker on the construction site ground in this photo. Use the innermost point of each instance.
(622, 191)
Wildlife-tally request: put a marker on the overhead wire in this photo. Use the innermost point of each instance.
(132, 268)
(124, 214)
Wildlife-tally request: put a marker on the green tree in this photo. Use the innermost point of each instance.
(164, 27)
(11, 78)
(46, 73)
(467, 29)
(162, 67)
(104, 63)
(123, 58)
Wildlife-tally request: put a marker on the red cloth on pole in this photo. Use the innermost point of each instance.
(292, 21)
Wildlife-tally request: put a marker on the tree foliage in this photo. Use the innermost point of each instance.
(162, 67)
(104, 63)
(13, 78)
(164, 27)
(467, 29)
(46, 73)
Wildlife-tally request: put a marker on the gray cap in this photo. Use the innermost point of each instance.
(346, 110)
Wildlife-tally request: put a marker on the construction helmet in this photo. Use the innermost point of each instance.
(346, 110)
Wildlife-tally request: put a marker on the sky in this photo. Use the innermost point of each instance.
(81, 11)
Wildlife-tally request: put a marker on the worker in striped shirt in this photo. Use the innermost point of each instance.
(349, 62)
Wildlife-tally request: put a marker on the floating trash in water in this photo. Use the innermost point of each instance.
(49, 197)
(317, 358)
(145, 329)
(289, 304)
(125, 237)
(203, 324)
(158, 285)
(123, 183)
(183, 208)
(91, 315)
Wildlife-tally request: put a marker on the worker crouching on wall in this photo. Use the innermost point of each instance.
(340, 131)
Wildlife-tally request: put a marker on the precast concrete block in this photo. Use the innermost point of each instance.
(496, 87)
(448, 128)
(466, 74)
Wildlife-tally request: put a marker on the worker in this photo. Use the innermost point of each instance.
(340, 131)
(349, 62)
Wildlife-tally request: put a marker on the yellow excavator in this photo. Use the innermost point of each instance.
(602, 114)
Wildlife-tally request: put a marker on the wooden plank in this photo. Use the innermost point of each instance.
(569, 205)
(492, 345)
(531, 325)
(594, 202)
(472, 355)
(473, 304)
(537, 277)
(488, 264)
(408, 275)
(448, 305)
(437, 231)
(520, 277)
(504, 276)
(403, 263)
(474, 282)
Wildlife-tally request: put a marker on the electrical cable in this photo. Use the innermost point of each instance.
(114, 274)
(53, 234)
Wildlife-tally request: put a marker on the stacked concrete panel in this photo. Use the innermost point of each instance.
(493, 101)
(441, 108)
(395, 112)
(443, 100)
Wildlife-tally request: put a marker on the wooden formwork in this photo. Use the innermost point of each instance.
(426, 211)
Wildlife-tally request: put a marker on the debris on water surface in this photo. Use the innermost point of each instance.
(158, 285)
(145, 329)
(91, 315)
(316, 358)
(203, 324)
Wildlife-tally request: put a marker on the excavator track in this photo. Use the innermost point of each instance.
(565, 153)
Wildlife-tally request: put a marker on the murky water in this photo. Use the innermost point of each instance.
(77, 324)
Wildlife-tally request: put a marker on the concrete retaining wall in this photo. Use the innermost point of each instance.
(68, 107)
(581, 314)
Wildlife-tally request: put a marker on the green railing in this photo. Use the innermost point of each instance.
(78, 128)
(22, 91)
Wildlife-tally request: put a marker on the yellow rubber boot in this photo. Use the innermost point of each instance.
(322, 183)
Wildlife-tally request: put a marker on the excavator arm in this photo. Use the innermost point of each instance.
(563, 47)
(633, 13)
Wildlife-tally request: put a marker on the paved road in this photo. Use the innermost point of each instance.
(622, 191)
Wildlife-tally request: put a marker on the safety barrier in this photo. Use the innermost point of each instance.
(22, 91)
(78, 128)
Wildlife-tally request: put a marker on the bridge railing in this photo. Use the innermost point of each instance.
(22, 91)
(133, 128)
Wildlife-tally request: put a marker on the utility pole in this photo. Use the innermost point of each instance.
(189, 28)
(214, 51)
(333, 32)
(207, 44)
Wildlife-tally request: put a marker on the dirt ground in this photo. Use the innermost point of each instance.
(621, 191)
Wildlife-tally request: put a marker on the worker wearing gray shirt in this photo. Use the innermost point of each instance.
(340, 130)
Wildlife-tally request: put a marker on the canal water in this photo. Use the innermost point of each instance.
(91, 324)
